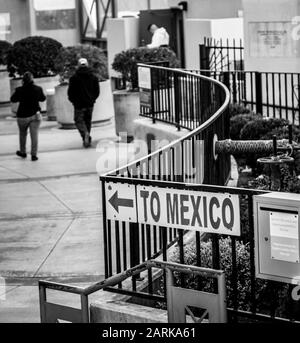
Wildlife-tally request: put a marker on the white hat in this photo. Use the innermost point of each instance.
(83, 62)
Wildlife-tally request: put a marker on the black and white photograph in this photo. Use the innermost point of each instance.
(150, 165)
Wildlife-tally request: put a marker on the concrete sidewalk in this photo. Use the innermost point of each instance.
(51, 212)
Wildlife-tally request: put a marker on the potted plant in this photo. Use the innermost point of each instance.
(4, 79)
(37, 55)
(66, 63)
(126, 102)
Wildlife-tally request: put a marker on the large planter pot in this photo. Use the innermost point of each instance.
(4, 86)
(103, 108)
(49, 82)
(127, 109)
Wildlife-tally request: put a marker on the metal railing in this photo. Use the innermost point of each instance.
(272, 94)
(187, 100)
(53, 313)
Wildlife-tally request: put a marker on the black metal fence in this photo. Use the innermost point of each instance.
(221, 55)
(178, 167)
(272, 94)
(181, 98)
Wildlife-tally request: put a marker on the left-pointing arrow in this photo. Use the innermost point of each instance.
(117, 202)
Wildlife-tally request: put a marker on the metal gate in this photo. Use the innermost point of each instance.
(220, 56)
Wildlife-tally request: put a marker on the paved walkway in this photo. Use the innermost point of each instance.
(50, 212)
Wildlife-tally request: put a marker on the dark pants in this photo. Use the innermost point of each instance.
(33, 124)
(83, 120)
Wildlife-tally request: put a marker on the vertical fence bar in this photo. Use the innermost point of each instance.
(181, 254)
(134, 249)
(198, 256)
(177, 101)
(104, 229)
(124, 245)
(42, 299)
(118, 249)
(258, 93)
(252, 254)
(148, 234)
(109, 250)
(234, 274)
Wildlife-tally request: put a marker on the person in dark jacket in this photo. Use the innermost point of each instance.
(28, 114)
(82, 92)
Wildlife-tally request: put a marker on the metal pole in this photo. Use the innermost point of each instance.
(114, 8)
(170, 284)
(85, 308)
(258, 93)
(80, 19)
(222, 298)
(43, 299)
(98, 18)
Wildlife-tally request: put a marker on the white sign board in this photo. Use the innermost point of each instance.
(284, 234)
(144, 75)
(120, 202)
(189, 210)
(272, 39)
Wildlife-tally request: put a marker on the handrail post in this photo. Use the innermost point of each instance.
(222, 298)
(43, 299)
(170, 283)
(152, 94)
(85, 308)
(258, 93)
(134, 247)
(177, 101)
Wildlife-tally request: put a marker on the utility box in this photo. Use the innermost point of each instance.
(276, 225)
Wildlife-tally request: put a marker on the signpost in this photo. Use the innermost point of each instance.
(183, 209)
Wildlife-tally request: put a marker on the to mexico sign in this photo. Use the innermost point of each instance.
(166, 207)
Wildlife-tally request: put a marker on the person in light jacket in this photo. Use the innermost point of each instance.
(28, 114)
(160, 37)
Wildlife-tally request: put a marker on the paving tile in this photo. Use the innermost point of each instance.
(18, 200)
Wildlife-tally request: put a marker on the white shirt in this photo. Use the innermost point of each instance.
(160, 37)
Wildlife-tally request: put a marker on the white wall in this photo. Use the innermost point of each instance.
(122, 34)
(66, 37)
(197, 29)
(212, 9)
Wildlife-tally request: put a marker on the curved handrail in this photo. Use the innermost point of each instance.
(194, 132)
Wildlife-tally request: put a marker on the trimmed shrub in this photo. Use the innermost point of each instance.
(235, 109)
(256, 129)
(35, 54)
(67, 61)
(126, 62)
(238, 121)
(264, 289)
(4, 48)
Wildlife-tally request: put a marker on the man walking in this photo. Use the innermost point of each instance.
(28, 115)
(82, 92)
